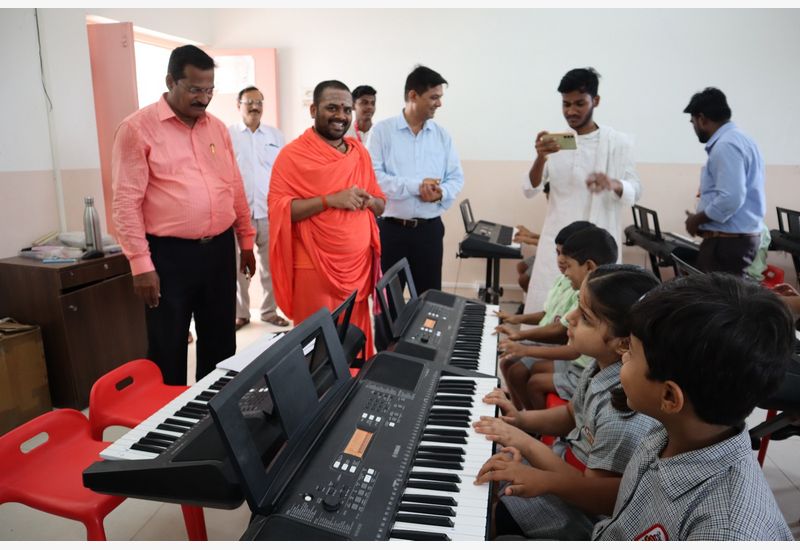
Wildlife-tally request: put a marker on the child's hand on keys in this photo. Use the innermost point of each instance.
(499, 398)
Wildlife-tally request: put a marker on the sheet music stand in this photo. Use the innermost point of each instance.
(285, 368)
(351, 337)
(391, 295)
(660, 247)
(787, 236)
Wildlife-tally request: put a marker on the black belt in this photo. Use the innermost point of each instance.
(201, 240)
(413, 222)
(722, 234)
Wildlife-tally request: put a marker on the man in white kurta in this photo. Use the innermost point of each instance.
(596, 182)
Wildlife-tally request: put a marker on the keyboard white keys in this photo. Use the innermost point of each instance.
(487, 361)
(194, 400)
(122, 449)
(513, 236)
(689, 241)
(445, 469)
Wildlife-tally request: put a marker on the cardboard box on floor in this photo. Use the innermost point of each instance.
(24, 392)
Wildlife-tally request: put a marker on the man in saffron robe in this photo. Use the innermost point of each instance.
(323, 199)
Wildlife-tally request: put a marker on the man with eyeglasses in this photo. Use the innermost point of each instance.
(178, 205)
(256, 146)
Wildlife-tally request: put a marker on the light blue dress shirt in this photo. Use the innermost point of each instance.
(732, 183)
(402, 160)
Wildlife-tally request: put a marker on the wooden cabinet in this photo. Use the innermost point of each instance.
(91, 320)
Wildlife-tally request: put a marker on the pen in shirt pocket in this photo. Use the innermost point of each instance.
(213, 149)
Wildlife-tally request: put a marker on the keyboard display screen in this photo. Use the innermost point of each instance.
(358, 443)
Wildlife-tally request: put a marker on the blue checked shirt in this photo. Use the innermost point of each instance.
(714, 493)
(732, 183)
(603, 439)
(402, 160)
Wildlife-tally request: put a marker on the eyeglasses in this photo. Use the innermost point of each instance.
(194, 90)
(249, 102)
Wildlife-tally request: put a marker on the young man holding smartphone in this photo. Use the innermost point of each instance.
(596, 181)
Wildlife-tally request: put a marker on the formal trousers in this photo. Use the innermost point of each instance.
(198, 278)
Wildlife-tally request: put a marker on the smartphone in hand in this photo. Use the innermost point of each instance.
(564, 140)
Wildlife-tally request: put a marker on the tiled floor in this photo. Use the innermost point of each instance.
(141, 520)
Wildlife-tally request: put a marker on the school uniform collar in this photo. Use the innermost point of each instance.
(607, 378)
(680, 474)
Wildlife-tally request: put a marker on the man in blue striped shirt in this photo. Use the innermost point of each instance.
(420, 173)
(732, 204)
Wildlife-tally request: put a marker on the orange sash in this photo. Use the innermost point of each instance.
(336, 241)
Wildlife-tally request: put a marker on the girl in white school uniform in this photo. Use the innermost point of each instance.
(560, 493)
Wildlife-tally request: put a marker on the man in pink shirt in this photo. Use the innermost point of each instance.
(178, 199)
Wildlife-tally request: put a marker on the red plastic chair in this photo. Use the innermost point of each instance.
(49, 476)
(127, 396)
(773, 275)
(552, 400)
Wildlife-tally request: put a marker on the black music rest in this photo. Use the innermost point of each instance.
(646, 233)
(787, 400)
(787, 236)
(391, 289)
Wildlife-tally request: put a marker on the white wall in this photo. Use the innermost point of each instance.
(504, 66)
(23, 138)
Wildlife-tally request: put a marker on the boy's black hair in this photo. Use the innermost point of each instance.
(188, 55)
(324, 85)
(364, 89)
(712, 103)
(585, 81)
(568, 230)
(613, 289)
(591, 243)
(724, 341)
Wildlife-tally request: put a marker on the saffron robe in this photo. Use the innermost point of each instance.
(317, 262)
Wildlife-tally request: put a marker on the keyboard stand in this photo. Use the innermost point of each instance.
(491, 291)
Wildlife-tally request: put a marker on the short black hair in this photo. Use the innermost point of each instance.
(726, 342)
(324, 85)
(591, 243)
(364, 89)
(568, 230)
(188, 55)
(422, 79)
(585, 81)
(711, 103)
(248, 89)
